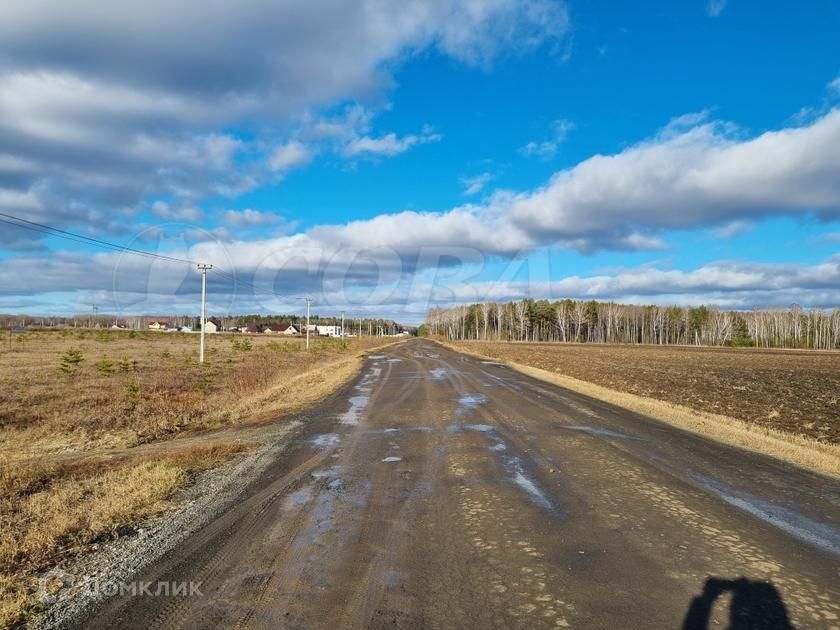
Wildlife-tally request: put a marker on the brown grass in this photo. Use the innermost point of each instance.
(159, 391)
(53, 512)
(77, 464)
(624, 376)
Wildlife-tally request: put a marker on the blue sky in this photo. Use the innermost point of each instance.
(386, 158)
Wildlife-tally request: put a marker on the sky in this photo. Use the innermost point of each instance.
(387, 157)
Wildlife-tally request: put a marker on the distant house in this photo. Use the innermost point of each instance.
(212, 325)
(272, 329)
(158, 326)
(288, 329)
(251, 328)
(185, 329)
(325, 331)
(116, 326)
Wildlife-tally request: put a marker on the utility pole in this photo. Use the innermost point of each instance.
(203, 269)
(309, 301)
(342, 324)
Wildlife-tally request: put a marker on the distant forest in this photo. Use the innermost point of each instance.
(608, 322)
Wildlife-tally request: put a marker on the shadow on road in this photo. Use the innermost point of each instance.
(754, 605)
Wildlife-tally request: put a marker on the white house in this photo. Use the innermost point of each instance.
(211, 326)
(325, 331)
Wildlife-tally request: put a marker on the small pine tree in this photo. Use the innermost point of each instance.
(105, 366)
(70, 361)
(132, 389)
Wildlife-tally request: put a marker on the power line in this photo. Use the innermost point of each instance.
(88, 240)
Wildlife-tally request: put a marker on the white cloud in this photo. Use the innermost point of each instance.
(91, 132)
(699, 176)
(547, 148)
(732, 229)
(171, 212)
(251, 218)
(290, 155)
(387, 145)
(345, 280)
(474, 185)
(834, 85)
(715, 7)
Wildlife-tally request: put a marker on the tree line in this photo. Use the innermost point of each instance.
(607, 322)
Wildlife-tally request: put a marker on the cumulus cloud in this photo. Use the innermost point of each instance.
(702, 175)
(251, 218)
(170, 212)
(362, 281)
(387, 145)
(103, 107)
(474, 185)
(547, 148)
(290, 155)
(732, 229)
(834, 85)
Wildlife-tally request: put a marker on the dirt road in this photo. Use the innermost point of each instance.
(446, 492)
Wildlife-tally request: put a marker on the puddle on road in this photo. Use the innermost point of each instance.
(400, 430)
(492, 363)
(438, 374)
(822, 535)
(298, 498)
(357, 405)
(389, 460)
(376, 357)
(326, 440)
(513, 466)
(470, 401)
(531, 488)
(328, 473)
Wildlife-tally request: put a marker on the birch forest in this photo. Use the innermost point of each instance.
(608, 322)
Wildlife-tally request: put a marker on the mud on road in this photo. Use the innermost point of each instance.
(444, 491)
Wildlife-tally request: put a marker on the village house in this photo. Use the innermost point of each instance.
(158, 326)
(325, 331)
(212, 325)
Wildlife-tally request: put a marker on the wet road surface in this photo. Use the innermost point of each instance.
(444, 491)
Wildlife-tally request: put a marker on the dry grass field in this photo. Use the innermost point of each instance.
(797, 392)
(75, 460)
